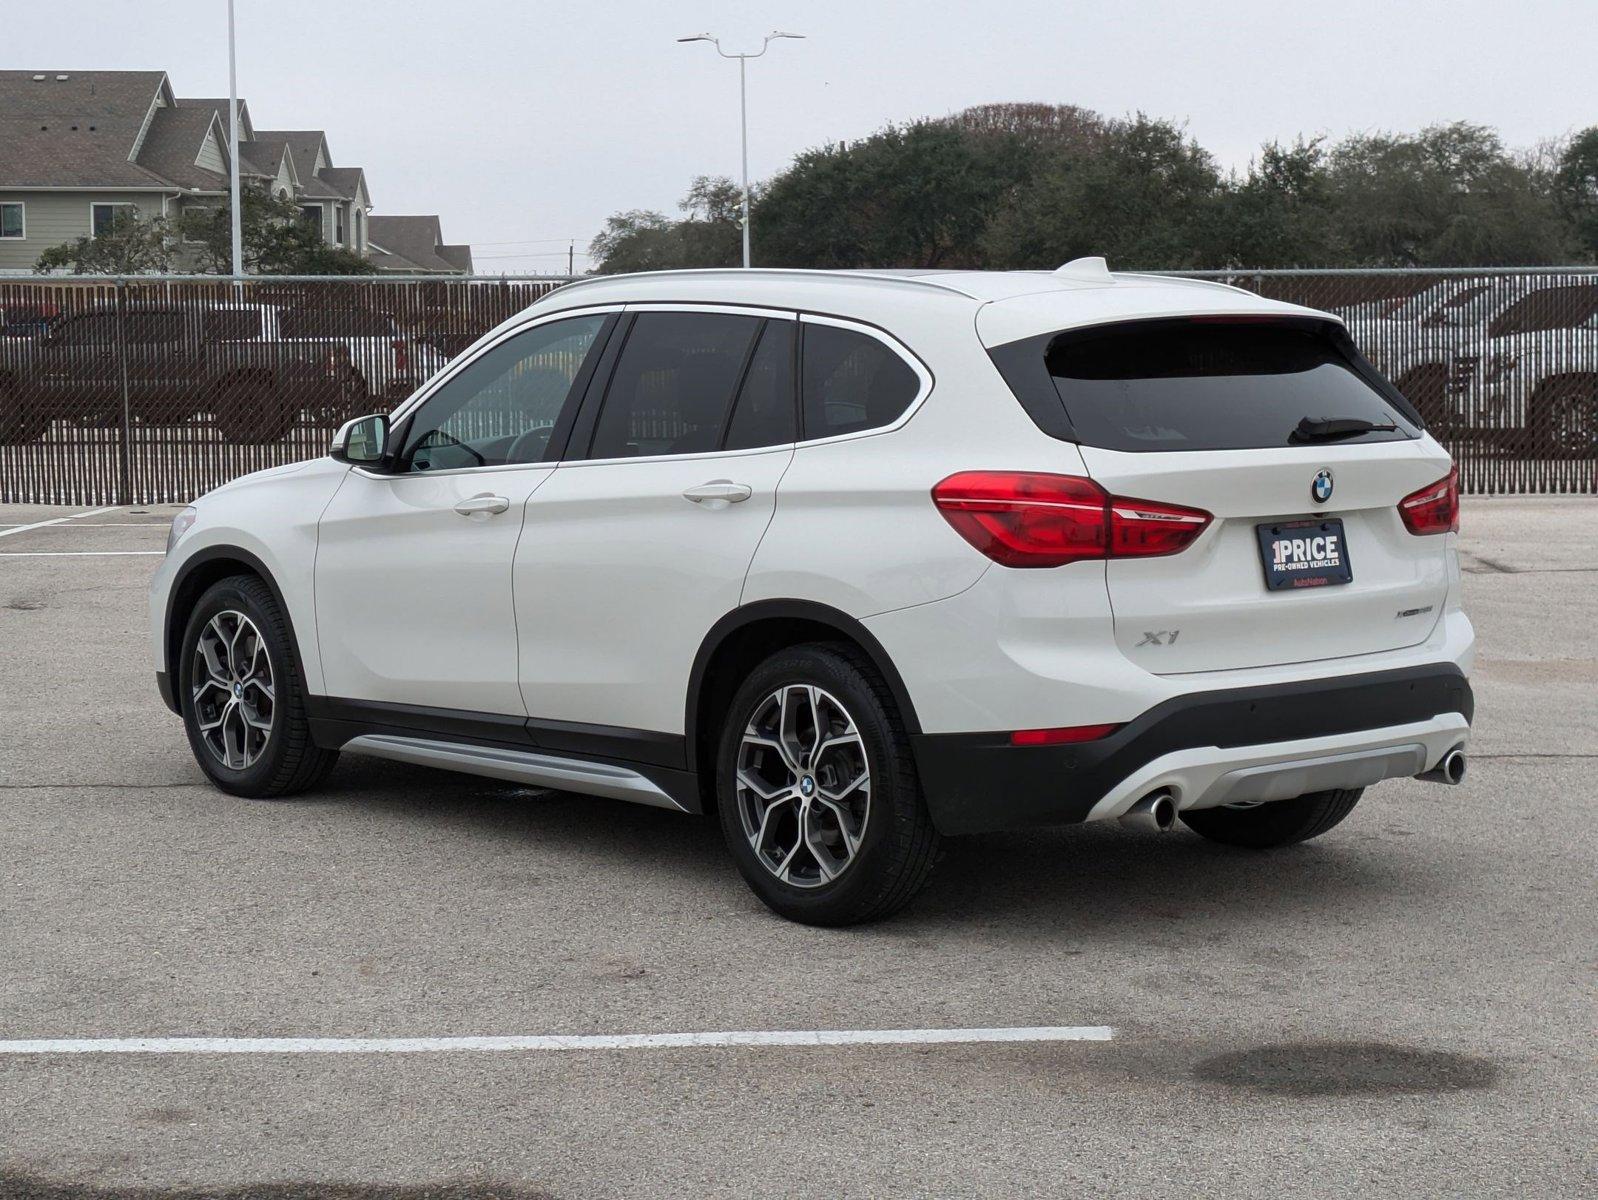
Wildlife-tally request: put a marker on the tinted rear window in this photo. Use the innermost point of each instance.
(1200, 385)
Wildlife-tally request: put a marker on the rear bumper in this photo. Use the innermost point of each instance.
(1214, 747)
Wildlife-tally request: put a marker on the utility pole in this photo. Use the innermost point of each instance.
(571, 258)
(743, 107)
(233, 146)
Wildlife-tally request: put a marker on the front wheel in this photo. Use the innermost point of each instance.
(1278, 823)
(817, 790)
(243, 698)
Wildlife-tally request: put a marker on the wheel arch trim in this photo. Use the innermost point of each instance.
(792, 610)
(181, 582)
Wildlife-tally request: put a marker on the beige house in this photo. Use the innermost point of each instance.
(77, 147)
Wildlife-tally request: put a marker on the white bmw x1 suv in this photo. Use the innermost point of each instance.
(855, 561)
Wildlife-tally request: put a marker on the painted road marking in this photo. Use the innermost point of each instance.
(93, 512)
(618, 1041)
(79, 553)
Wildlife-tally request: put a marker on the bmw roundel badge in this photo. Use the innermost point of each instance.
(1320, 488)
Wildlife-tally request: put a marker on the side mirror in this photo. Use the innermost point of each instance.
(362, 442)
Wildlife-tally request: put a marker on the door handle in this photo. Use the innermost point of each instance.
(719, 489)
(485, 504)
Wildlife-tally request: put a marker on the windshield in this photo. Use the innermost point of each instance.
(1214, 385)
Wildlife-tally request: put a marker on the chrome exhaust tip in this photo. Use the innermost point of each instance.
(1156, 812)
(1450, 769)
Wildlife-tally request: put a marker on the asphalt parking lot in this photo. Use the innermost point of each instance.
(1406, 1007)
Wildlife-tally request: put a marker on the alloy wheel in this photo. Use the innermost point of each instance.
(803, 785)
(233, 690)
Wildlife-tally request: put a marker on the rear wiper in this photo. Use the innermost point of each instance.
(1328, 429)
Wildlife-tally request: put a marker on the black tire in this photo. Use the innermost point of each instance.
(1279, 823)
(1564, 414)
(897, 844)
(250, 412)
(289, 761)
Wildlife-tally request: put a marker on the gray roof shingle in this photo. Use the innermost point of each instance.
(75, 128)
(414, 243)
(172, 144)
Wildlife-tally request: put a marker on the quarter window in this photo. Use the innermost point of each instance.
(103, 217)
(852, 382)
(501, 408)
(11, 220)
(673, 384)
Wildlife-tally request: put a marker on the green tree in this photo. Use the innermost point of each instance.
(276, 240)
(710, 234)
(1576, 188)
(1148, 196)
(1279, 213)
(132, 246)
(917, 195)
(1448, 196)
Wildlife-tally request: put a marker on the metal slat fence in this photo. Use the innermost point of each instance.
(151, 390)
(141, 391)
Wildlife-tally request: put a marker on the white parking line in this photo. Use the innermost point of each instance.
(79, 553)
(620, 1041)
(93, 512)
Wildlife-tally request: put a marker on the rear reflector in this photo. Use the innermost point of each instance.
(1030, 519)
(1433, 509)
(1061, 736)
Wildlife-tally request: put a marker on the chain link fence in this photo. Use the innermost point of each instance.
(156, 390)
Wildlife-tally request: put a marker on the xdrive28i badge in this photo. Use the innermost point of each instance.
(1320, 488)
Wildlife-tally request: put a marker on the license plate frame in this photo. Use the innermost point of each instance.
(1297, 569)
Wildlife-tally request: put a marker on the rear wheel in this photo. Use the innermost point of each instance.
(242, 695)
(817, 790)
(1279, 823)
(1565, 416)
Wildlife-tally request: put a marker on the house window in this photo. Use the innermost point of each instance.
(311, 214)
(103, 216)
(11, 221)
(339, 237)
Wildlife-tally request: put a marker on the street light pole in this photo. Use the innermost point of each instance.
(743, 107)
(233, 146)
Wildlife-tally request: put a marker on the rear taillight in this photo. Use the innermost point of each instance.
(1433, 509)
(1025, 519)
(402, 355)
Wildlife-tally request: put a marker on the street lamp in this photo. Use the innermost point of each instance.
(743, 107)
(237, 222)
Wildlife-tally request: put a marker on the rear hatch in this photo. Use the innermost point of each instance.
(1307, 556)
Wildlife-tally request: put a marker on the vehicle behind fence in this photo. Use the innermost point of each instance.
(156, 390)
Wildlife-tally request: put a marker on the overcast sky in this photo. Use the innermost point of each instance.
(525, 123)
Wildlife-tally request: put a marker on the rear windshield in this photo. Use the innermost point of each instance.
(1213, 385)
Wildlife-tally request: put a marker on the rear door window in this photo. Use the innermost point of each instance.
(1207, 385)
(765, 414)
(852, 382)
(673, 385)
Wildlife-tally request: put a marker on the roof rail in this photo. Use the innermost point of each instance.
(847, 275)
